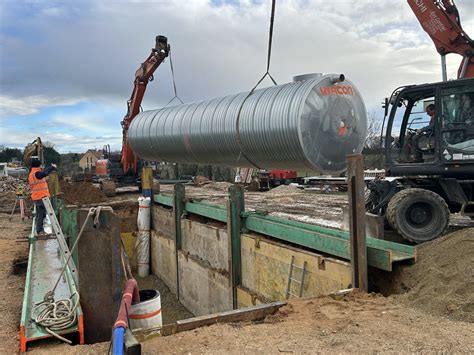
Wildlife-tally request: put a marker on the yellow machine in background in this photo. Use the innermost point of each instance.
(34, 148)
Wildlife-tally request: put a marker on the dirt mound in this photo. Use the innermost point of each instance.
(10, 184)
(7, 200)
(81, 193)
(442, 280)
(220, 186)
(284, 190)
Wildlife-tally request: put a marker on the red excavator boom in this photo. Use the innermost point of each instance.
(440, 19)
(143, 75)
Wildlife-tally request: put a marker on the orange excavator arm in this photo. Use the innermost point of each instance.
(143, 75)
(440, 19)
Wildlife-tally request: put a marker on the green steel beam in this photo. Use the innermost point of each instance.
(166, 200)
(325, 243)
(44, 267)
(381, 253)
(215, 212)
(178, 210)
(236, 205)
(68, 217)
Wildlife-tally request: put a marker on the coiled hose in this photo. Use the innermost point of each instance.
(55, 316)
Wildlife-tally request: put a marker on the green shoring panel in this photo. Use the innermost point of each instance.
(44, 267)
(381, 253)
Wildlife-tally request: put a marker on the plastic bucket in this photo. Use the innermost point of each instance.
(146, 313)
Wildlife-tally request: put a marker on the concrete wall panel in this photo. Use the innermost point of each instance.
(203, 290)
(163, 259)
(162, 221)
(207, 243)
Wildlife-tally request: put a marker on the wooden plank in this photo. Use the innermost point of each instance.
(239, 315)
(253, 313)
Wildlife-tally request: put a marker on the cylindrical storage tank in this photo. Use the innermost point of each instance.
(147, 313)
(307, 124)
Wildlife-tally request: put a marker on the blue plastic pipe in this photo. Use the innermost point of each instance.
(119, 333)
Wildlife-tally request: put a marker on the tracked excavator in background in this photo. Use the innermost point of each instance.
(124, 169)
(429, 171)
(33, 149)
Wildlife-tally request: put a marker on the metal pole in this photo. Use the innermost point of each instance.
(443, 68)
(147, 181)
(465, 62)
(355, 176)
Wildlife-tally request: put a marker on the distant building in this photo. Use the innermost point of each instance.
(89, 159)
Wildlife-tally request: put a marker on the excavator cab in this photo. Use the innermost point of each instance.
(429, 153)
(441, 144)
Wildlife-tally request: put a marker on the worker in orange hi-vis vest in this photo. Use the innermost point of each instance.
(39, 189)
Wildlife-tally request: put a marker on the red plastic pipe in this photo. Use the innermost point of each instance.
(130, 295)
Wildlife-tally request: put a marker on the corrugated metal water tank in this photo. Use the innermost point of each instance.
(312, 123)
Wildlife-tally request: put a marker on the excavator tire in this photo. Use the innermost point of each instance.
(418, 215)
(108, 188)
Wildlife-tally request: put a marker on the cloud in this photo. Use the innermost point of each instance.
(11, 106)
(89, 51)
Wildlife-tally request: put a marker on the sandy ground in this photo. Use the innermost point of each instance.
(284, 201)
(12, 281)
(172, 309)
(360, 323)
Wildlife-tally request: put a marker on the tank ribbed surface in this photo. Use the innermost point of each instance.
(310, 124)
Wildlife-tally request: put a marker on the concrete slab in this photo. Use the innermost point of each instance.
(162, 221)
(163, 259)
(203, 290)
(206, 242)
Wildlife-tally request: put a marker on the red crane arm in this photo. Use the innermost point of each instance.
(143, 75)
(440, 19)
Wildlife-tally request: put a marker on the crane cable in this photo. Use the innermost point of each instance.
(174, 84)
(267, 73)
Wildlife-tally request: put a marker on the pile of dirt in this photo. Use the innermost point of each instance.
(442, 280)
(81, 193)
(8, 187)
(284, 190)
(359, 323)
(10, 184)
(219, 186)
(7, 200)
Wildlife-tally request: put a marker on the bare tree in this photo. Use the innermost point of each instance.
(374, 125)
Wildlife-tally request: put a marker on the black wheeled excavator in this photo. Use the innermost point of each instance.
(429, 159)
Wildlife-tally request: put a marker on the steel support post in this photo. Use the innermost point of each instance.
(444, 72)
(178, 209)
(355, 176)
(147, 182)
(101, 273)
(235, 207)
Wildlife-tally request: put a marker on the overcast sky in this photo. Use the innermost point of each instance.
(67, 67)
